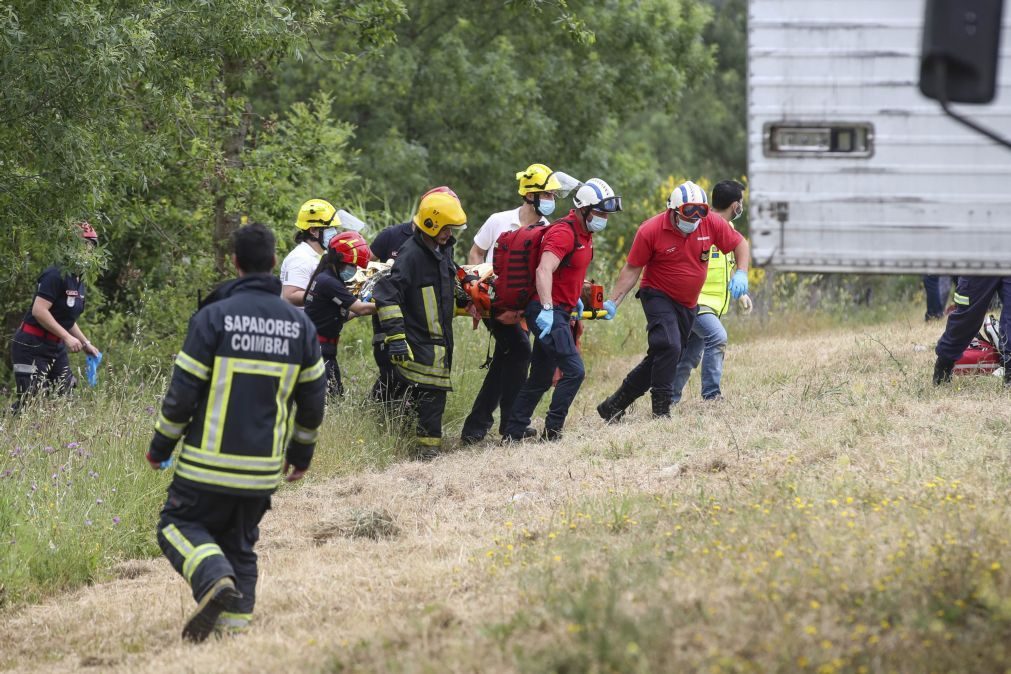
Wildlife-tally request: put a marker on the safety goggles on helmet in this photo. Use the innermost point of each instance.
(693, 211)
(609, 205)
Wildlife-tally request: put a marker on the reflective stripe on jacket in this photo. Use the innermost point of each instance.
(416, 300)
(248, 357)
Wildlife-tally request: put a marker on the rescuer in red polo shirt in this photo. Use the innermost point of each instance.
(566, 252)
(671, 251)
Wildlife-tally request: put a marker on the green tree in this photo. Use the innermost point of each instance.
(138, 117)
(473, 92)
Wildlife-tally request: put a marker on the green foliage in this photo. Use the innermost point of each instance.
(474, 92)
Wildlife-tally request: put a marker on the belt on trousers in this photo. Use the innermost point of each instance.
(39, 332)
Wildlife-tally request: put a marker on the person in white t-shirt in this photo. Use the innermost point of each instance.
(317, 223)
(539, 186)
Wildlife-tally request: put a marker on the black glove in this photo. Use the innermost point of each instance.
(399, 350)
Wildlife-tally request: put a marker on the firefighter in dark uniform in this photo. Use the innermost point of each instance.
(416, 303)
(385, 247)
(973, 295)
(248, 357)
(329, 303)
(49, 328)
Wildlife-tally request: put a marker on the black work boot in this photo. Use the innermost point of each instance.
(943, 369)
(220, 598)
(661, 405)
(1007, 374)
(551, 434)
(613, 409)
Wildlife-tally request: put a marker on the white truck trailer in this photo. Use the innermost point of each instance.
(850, 167)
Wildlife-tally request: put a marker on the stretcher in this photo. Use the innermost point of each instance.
(474, 285)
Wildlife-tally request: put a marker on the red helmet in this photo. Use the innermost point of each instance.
(351, 248)
(87, 231)
(443, 189)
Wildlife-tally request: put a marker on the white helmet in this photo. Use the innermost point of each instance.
(686, 193)
(598, 194)
(991, 333)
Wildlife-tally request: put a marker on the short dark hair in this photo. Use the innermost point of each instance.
(253, 246)
(726, 192)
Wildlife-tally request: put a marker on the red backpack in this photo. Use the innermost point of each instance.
(517, 254)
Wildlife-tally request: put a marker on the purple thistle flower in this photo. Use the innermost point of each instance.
(16, 452)
(73, 445)
(49, 450)
(87, 523)
(115, 520)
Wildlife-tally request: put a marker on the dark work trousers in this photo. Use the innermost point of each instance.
(207, 536)
(39, 365)
(556, 350)
(668, 327)
(935, 303)
(502, 382)
(424, 406)
(334, 385)
(973, 295)
(385, 382)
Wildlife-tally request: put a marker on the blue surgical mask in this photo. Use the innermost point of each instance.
(545, 206)
(348, 272)
(596, 223)
(688, 226)
(328, 234)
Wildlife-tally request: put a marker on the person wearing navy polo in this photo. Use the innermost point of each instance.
(49, 329)
(566, 253)
(673, 248)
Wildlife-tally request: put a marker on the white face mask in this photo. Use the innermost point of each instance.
(328, 234)
(688, 226)
(596, 223)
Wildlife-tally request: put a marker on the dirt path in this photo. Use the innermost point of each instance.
(316, 600)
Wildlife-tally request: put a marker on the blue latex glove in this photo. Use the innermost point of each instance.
(91, 364)
(167, 463)
(544, 321)
(611, 308)
(578, 310)
(738, 284)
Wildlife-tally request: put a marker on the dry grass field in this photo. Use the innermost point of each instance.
(835, 513)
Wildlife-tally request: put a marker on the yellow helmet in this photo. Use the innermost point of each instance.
(537, 178)
(438, 210)
(317, 213)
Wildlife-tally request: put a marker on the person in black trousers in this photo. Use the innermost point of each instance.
(973, 295)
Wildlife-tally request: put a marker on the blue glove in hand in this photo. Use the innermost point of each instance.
(611, 308)
(91, 368)
(167, 463)
(738, 284)
(578, 311)
(544, 321)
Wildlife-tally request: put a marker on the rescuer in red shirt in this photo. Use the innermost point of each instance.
(671, 252)
(566, 252)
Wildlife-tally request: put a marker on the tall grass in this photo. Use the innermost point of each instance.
(77, 497)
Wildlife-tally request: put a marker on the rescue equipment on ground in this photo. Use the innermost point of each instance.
(983, 354)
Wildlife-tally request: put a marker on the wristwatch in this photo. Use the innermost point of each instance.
(546, 307)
